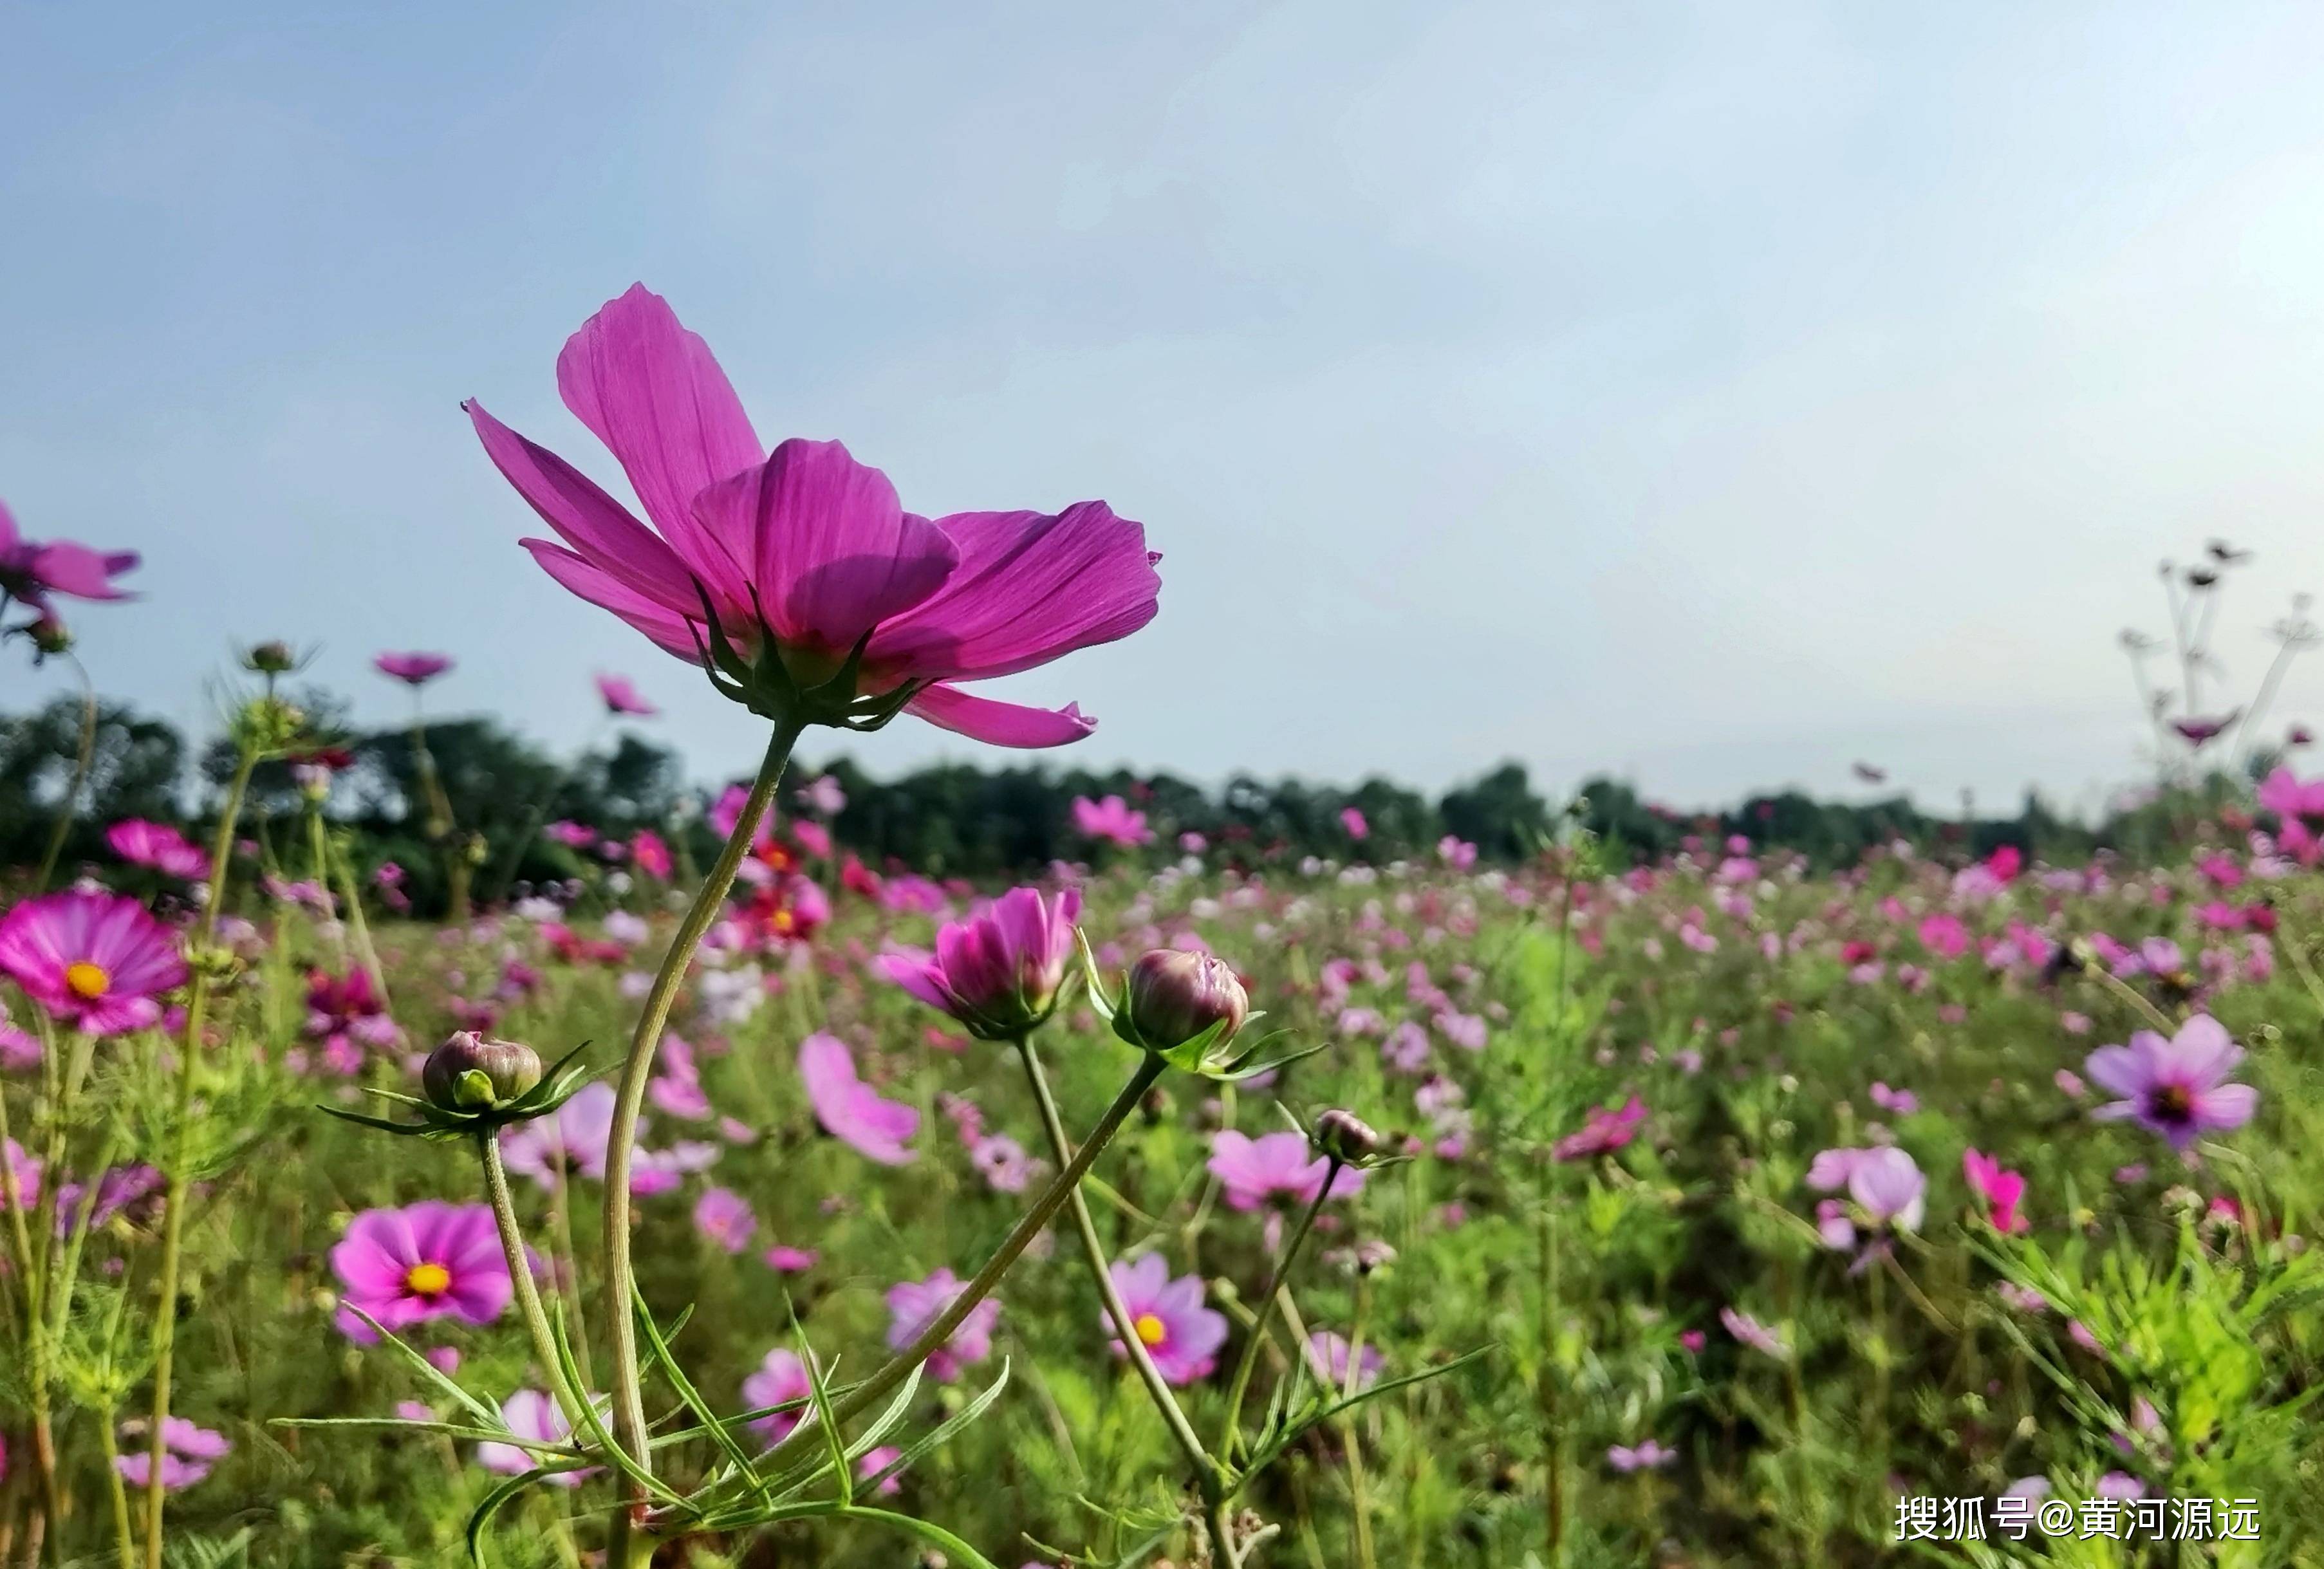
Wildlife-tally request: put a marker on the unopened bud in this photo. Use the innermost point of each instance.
(469, 1073)
(1175, 996)
(1346, 1137)
(272, 658)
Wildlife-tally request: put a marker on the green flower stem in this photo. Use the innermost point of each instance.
(173, 1224)
(124, 1543)
(520, 1269)
(621, 1285)
(939, 1330)
(1228, 1431)
(81, 761)
(326, 865)
(1219, 1525)
(1207, 1471)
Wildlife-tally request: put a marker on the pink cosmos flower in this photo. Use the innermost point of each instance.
(414, 670)
(1752, 1333)
(781, 1378)
(998, 971)
(187, 1453)
(914, 1305)
(1111, 820)
(823, 794)
(621, 698)
(157, 844)
(850, 1109)
(1181, 1334)
(1890, 1187)
(31, 571)
(649, 853)
(724, 1217)
(1604, 1132)
(97, 962)
(806, 547)
(572, 1144)
(1647, 1456)
(1353, 821)
(785, 1261)
(2002, 1190)
(1252, 1170)
(1327, 1358)
(426, 1260)
(875, 1460)
(531, 1413)
(344, 1014)
(2176, 1087)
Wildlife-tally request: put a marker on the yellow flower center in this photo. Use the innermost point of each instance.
(429, 1280)
(782, 920)
(1151, 1329)
(86, 980)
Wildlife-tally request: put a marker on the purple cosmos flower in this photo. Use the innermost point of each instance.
(806, 548)
(998, 971)
(31, 571)
(724, 1217)
(1889, 1187)
(414, 670)
(1752, 1333)
(532, 1414)
(187, 1453)
(1111, 821)
(2176, 1087)
(850, 1109)
(157, 844)
(1604, 1132)
(914, 1305)
(781, 1378)
(1327, 1357)
(1181, 1334)
(94, 961)
(548, 1149)
(621, 698)
(1252, 1170)
(1647, 1456)
(1005, 1165)
(426, 1260)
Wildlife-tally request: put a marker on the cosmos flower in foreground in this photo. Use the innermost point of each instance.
(1181, 1334)
(159, 846)
(803, 561)
(187, 1453)
(2178, 1087)
(914, 1305)
(414, 670)
(850, 1109)
(31, 571)
(95, 962)
(429, 1259)
(998, 971)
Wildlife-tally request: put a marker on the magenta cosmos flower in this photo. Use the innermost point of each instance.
(187, 1453)
(914, 1305)
(426, 1260)
(1181, 1334)
(1111, 820)
(807, 549)
(31, 571)
(2176, 1087)
(2003, 1191)
(621, 697)
(95, 961)
(781, 1379)
(1604, 1131)
(1252, 1170)
(157, 844)
(998, 971)
(1327, 1358)
(414, 670)
(850, 1109)
(532, 1414)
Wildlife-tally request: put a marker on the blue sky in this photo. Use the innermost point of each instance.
(1716, 393)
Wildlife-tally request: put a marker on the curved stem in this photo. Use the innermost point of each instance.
(65, 807)
(1125, 1325)
(1221, 1529)
(173, 1225)
(939, 1329)
(1228, 1434)
(629, 1394)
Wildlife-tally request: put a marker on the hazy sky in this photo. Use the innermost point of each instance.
(1715, 394)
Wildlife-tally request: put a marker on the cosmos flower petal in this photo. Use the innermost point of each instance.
(1001, 723)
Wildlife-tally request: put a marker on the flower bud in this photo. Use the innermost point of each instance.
(50, 636)
(272, 658)
(469, 1073)
(1175, 996)
(1345, 1137)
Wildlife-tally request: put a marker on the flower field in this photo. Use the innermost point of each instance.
(739, 1199)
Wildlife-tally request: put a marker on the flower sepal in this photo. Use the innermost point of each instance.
(767, 686)
(563, 1080)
